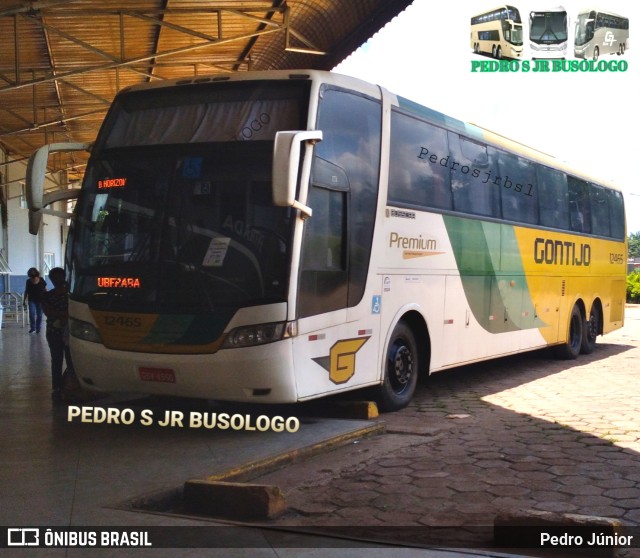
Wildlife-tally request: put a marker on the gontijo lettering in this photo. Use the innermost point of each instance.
(558, 252)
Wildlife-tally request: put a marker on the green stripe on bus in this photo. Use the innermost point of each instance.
(492, 274)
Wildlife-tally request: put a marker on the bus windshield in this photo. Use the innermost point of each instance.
(584, 29)
(513, 14)
(548, 27)
(513, 34)
(175, 213)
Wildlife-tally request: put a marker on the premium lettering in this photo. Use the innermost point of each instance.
(412, 243)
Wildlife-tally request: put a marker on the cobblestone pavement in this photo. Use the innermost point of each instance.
(524, 432)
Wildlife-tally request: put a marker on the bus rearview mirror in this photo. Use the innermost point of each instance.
(37, 170)
(286, 167)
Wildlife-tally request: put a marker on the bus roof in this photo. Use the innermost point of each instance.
(599, 11)
(471, 131)
(478, 133)
(508, 7)
(550, 10)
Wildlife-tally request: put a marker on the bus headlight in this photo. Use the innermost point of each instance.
(84, 330)
(250, 336)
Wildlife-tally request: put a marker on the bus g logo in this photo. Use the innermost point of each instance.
(341, 362)
(609, 39)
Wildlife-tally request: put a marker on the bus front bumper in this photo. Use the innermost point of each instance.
(262, 374)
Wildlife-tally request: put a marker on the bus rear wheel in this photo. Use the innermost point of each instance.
(571, 349)
(590, 331)
(400, 370)
(596, 53)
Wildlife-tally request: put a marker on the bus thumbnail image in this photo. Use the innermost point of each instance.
(548, 33)
(600, 33)
(498, 32)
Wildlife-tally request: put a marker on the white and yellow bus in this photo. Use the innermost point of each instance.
(282, 236)
(599, 33)
(498, 31)
(548, 32)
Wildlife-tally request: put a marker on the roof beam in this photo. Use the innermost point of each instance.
(266, 25)
(32, 7)
(136, 60)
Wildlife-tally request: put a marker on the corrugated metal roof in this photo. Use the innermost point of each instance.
(62, 61)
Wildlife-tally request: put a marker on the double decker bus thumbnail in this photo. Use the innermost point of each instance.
(497, 31)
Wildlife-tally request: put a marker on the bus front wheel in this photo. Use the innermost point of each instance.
(571, 349)
(596, 53)
(400, 370)
(590, 331)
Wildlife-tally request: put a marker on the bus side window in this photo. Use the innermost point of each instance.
(343, 196)
(599, 210)
(416, 176)
(323, 273)
(518, 188)
(616, 214)
(324, 248)
(579, 206)
(471, 174)
(553, 196)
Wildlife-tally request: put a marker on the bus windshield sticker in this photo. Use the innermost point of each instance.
(192, 167)
(386, 285)
(375, 304)
(99, 212)
(217, 251)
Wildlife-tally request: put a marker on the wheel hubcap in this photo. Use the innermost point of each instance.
(402, 367)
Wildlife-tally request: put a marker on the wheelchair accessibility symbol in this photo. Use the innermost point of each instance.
(376, 302)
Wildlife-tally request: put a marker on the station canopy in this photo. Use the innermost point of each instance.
(63, 61)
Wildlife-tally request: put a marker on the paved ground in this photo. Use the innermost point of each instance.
(527, 432)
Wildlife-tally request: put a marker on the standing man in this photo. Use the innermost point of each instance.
(55, 304)
(36, 286)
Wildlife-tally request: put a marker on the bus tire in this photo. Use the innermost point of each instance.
(400, 370)
(493, 51)
(499, 53)
(596, 53)
(571, 349)
(590, 331)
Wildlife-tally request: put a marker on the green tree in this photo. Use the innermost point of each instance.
(633, 287)
(634, 245)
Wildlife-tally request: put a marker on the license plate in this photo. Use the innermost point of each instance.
(157, 375)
